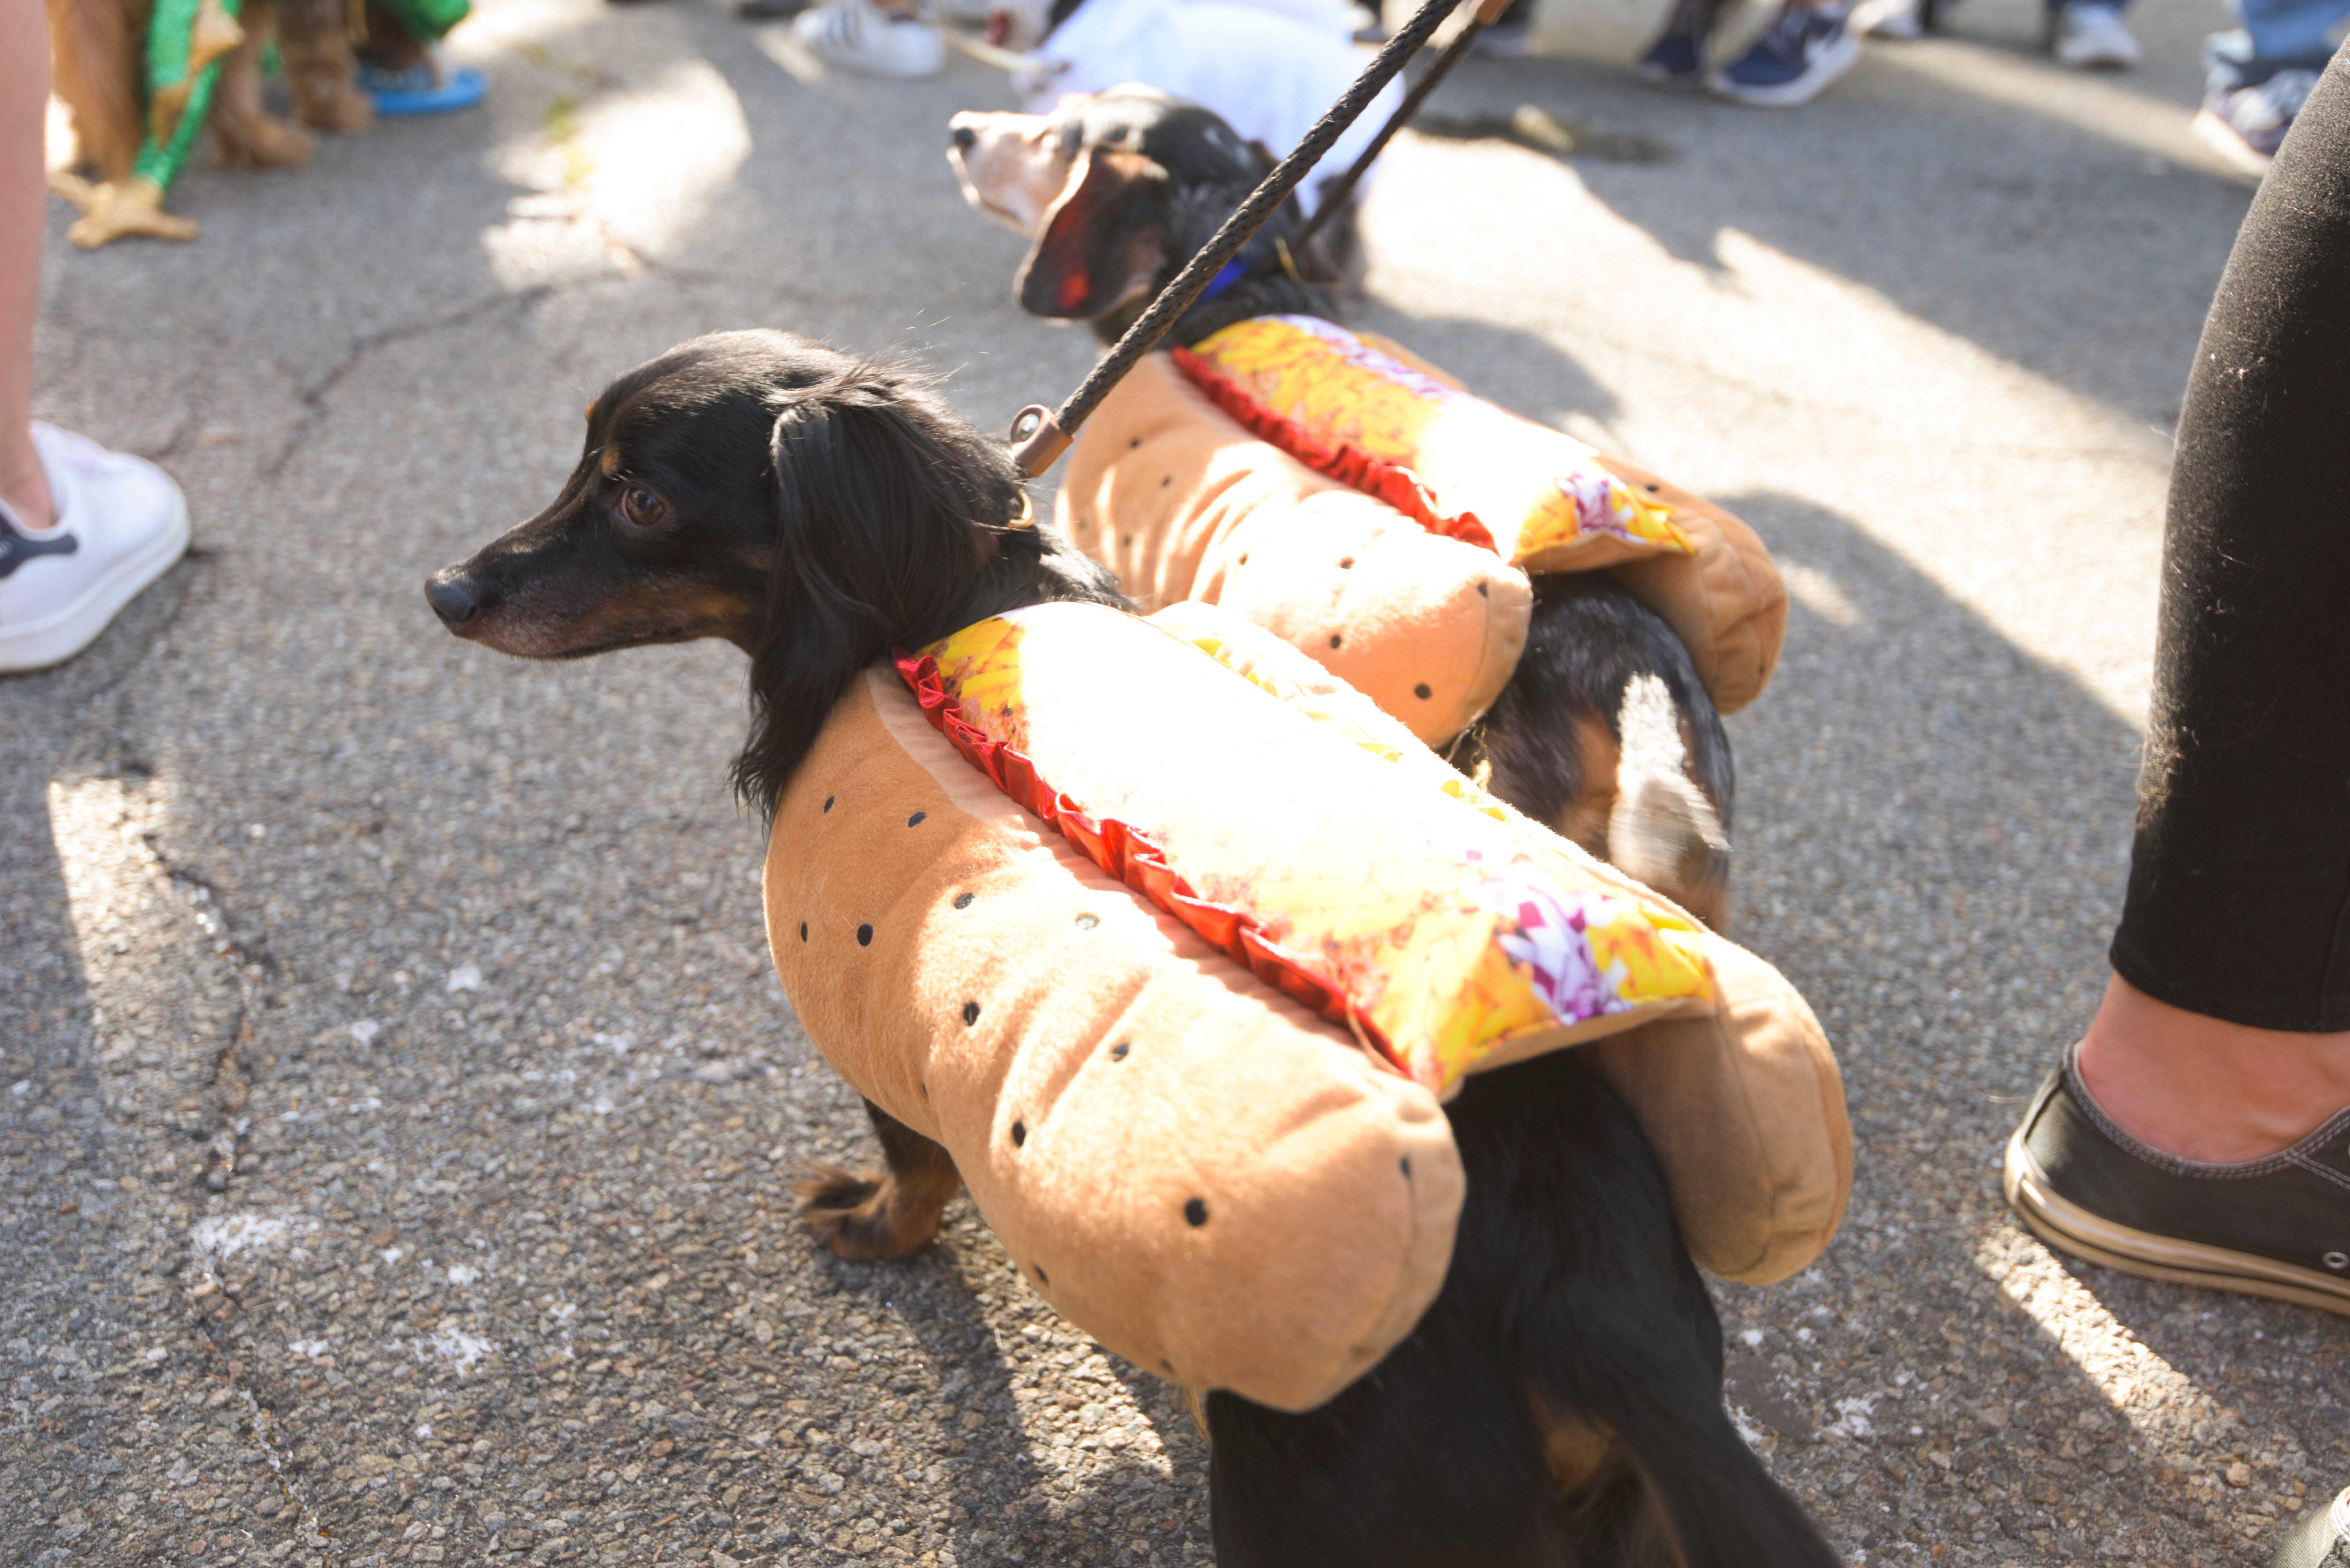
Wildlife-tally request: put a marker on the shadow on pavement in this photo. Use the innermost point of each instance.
(1933, 833)
(2093, 269)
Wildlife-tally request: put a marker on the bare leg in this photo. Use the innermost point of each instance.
(2204, 1089)
(866, 1217)
(24, 196)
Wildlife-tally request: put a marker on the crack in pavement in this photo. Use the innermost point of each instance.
(313, 397)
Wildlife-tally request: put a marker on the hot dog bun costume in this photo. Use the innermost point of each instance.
(1176, 944)
(1370, 512)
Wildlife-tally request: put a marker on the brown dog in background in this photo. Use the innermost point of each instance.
(99, 50)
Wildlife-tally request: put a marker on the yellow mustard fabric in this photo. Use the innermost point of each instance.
(1542, 494)
(1458, 927)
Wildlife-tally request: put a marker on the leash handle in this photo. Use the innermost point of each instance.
(1046, 442)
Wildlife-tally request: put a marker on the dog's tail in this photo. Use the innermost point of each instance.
(96, 48)
(1622, 1352)
(1663, 828)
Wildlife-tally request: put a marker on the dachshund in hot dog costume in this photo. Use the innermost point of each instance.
(1281, 1058)
(1565, 627)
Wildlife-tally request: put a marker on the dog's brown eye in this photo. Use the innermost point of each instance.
(640, 508)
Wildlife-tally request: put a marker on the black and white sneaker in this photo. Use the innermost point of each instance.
(2278, 1227)
(121, 523)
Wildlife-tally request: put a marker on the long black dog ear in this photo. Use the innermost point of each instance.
(885, 507)
(1105, 237)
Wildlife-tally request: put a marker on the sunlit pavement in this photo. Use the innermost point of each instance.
(397, 1104)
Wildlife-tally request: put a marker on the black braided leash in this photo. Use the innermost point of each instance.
(1040, 435)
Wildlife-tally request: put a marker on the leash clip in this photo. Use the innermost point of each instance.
(1037, 440)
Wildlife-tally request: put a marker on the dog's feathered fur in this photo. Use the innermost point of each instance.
(1560, 1404)
(1155, 177)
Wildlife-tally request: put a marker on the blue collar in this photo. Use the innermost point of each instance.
(1230, 273)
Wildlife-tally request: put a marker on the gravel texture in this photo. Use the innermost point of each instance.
(396, 1105)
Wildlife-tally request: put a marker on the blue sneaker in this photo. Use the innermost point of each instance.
(1678, 56)
(2246, 125)
(1805, 48)
(421, 90)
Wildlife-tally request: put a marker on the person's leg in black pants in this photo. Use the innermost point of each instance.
(2201, 1130)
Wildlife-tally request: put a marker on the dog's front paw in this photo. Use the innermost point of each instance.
(854, 1214)
(266, 141)
(345, 110)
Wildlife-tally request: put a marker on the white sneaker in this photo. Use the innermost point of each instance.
(862, 37)
(2087, 36)
(121, 523)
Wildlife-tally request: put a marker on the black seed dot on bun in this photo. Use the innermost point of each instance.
(1407, 1167)
(1087, 922)
(1169, 1365)
(1482, 592)
(865, 935)
(828, 803)
(963, 900)
(1042, 1277)
(1243, 559)
(1019, 1133)
(802, 930)
(1346, 563)
(1195, 1213)
(1653, 487)
(1165, 482)
(969, 1013)
(1135, 442)
(1334, 640)
(916, 820)
(1118, 1051)
(1421, 692)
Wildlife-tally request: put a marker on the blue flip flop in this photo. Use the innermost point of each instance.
(416, 91)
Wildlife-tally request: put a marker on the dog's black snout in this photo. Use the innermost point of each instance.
(964, 137)
(450, 599)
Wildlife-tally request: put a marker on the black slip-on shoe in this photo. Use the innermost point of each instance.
(2320, 1541)
(2277, 1227)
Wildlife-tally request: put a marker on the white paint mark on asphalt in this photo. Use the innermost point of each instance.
(465, 977)
(365, 1029)
(464, 1274)
(1852, 1419)
(457, 1347)
(1749, 1430)
(226, 1235)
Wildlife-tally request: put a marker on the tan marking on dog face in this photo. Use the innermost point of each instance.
(1583, 819)
(1015, 166)
(609, 462)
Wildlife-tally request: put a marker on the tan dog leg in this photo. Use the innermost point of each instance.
(867, 1218)
(314, 40)
(249, 136)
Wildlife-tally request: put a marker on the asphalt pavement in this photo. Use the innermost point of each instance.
(397, 1104)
